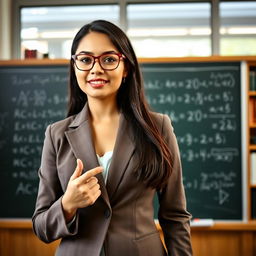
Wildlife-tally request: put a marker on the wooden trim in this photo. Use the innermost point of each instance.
(252, 147)
(37, 62)
(15, 224)
(248, 172)
(248, 181)
(226, 226)
(252, 63)
(233, 226)
(199, 59)
(27, 62)
(252, 93)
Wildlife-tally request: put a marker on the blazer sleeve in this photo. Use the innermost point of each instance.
(173, 217)
(48, 219)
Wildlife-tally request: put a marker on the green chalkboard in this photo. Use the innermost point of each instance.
(202, 99)
(31, 97)
(203, 102)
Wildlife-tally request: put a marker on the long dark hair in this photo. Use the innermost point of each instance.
(155, 163)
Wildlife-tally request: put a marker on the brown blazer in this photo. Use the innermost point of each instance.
(121, 219)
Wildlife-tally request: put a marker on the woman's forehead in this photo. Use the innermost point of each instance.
(95, 43)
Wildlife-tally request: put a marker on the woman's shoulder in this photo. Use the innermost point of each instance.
(156, 114)
(158, 117)
(162, 121)
(59, 127)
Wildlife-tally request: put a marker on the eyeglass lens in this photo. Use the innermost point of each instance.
(106, 61)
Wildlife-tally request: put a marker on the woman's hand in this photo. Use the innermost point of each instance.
(82, 190)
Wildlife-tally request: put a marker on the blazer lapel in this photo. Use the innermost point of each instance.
(80, 140)
(123, 150)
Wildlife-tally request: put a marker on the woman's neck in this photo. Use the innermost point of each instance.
(102, 109)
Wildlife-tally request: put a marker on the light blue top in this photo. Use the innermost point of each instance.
(105, 161)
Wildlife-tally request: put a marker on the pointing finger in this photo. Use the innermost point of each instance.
(91, 173)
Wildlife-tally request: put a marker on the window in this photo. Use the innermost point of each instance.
(170, 30)
(50, 30)
(238, 28)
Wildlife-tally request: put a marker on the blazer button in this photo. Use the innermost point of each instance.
(107, 213)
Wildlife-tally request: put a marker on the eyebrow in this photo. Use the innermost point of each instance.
(91, 53)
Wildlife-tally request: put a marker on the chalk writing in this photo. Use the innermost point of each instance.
(34, 99)
(189, 139)
(203, 104)
(221, 183)
(26, 189)
(202, 101)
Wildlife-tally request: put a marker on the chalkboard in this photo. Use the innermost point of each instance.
(203, 102)
(31, 98)
(202, 99)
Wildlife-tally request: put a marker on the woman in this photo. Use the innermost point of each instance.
(102, 165)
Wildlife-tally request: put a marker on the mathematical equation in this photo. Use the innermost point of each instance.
(39, 80)
(215, 80)
(25, 171)
(218, 183)
(204, 108)
(203, 139)
(212, 154)
(37, 98)
(196, 98)
(35, 103)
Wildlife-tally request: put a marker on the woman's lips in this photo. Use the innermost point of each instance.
(97, 83)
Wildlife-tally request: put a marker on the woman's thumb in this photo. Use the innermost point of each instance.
(79, 169)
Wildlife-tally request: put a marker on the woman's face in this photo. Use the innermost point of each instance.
(97, 82)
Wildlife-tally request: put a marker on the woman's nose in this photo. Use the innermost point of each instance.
(97, 67)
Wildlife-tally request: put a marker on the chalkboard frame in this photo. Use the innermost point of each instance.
(168, 60)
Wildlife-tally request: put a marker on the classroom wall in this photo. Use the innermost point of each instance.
(206, 241)
(5, 29)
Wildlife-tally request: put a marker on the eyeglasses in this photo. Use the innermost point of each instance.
(107, 61)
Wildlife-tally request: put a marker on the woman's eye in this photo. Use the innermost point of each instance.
(86, 60)
(109, 59)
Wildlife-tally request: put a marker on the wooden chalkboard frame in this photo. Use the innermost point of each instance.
(148, 60)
